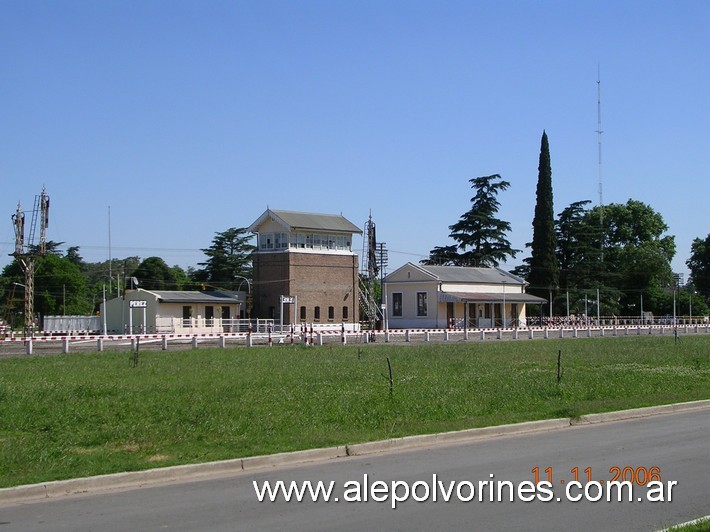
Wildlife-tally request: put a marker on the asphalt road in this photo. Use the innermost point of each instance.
(677, 444)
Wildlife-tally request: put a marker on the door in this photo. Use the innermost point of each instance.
(226, 319)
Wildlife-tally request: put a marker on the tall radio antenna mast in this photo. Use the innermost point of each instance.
(599, 147)
(599, 137)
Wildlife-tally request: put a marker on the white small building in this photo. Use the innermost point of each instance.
(174, 312)
(441, 297)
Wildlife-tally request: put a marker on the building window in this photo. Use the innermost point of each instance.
(266, 241)
(421, 304)
(281, 240)
(187, 312)
(345, 313)
(298, 240)
(316, 314)
(305, 240)
(331, 313)
(303, 313)
(397, 304)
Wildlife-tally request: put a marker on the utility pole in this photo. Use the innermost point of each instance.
(382, 260)
(26, 251)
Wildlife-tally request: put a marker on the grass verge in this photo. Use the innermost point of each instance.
(701, 525)
(78, 415)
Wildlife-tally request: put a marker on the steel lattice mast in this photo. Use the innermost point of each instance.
(26, 251)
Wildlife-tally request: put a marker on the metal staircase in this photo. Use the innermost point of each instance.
(368, 304)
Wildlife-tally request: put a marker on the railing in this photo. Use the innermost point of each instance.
(137, 342)
(207, 325)
(602, 321)
(486, 323)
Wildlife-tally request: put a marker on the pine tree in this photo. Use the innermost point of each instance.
(544, 269)
(228, 259)
(480, 236)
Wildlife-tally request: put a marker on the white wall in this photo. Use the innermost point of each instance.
(409, 318)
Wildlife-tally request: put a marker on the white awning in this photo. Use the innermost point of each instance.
(489, 297)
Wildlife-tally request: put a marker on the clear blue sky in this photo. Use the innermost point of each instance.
(187, 118)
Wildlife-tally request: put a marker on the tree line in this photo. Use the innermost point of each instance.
(618, 254)
(65, 284)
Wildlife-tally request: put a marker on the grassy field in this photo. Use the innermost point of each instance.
(85, 414)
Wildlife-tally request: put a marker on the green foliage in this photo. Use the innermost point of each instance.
(699, 265)
(154, 274)
(109, 272)
(182, 279)
(59, 286)
(480, 236)
(701, 525)
(543, 271)
(67, 415)
(228, 259)
(73, 256)
(620, 249)
(575, 255)
(69, 285)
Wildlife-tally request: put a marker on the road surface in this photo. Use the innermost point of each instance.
(677, 444)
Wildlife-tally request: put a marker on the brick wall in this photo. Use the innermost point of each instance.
(318, 280)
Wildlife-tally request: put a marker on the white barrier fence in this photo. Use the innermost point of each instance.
(311, 337)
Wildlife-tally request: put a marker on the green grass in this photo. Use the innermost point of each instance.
(701, 526)
(85, 414)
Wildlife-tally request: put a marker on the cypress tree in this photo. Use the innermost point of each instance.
(544, 269)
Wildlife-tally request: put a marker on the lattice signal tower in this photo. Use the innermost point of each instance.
(26, 251)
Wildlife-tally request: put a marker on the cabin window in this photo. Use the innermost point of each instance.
(281, 240)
